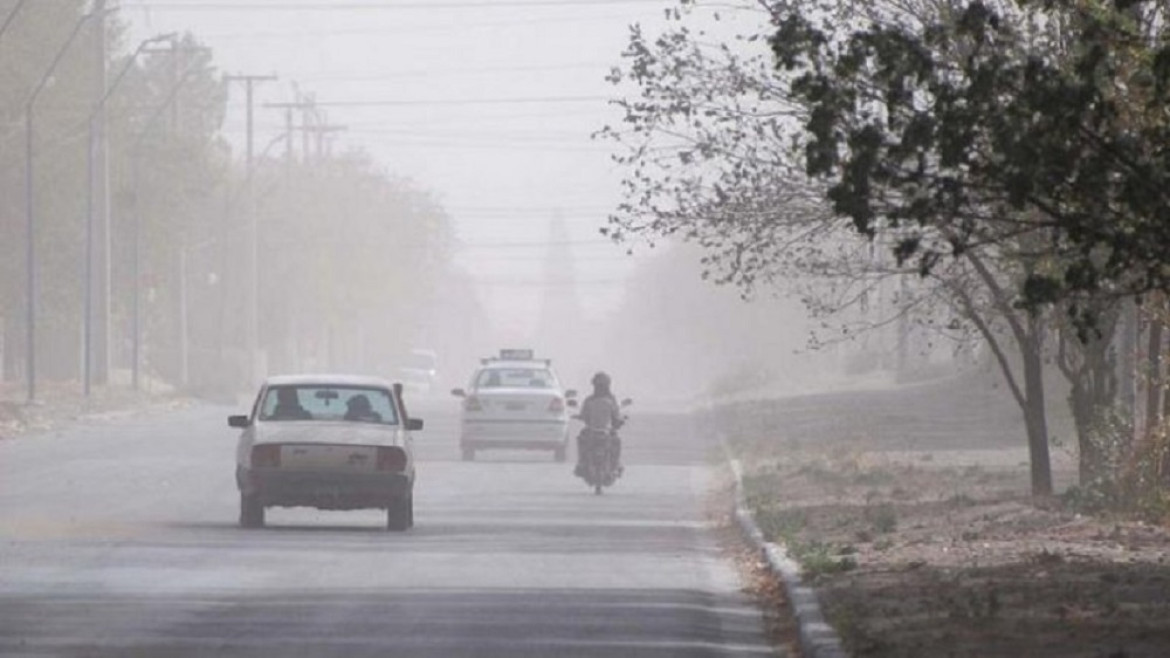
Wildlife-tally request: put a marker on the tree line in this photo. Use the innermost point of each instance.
(990, 169)
(346, 253)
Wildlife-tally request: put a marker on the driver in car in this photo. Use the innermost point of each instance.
(288, 406)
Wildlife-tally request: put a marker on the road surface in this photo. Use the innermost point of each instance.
(119, 538)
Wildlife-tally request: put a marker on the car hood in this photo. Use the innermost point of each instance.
(307, 431)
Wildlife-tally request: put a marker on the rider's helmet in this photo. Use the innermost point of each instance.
(601, 382)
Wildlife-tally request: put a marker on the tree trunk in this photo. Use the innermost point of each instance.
(1035, 417)
(1154, 375)
(1092, 396)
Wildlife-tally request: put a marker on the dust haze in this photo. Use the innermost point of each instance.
(293, 187)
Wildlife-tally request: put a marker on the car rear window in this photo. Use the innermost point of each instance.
(319, 402)
(515, 378)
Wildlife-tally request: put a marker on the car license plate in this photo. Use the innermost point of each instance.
(515, 406)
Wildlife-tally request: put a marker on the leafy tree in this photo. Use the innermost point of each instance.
(27, 48)
(990, 123)
(723, 150)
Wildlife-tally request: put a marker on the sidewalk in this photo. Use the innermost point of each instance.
(59, 404)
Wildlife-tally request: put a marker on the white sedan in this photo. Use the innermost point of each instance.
(332, 442)
(515, 404)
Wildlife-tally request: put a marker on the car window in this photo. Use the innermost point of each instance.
(348, 403)
(515, 378)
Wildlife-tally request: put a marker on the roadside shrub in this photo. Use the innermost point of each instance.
(883, 518)
(781, 525)
(820, 559)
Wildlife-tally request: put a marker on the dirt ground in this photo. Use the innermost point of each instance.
(909, 511)
(61, 403)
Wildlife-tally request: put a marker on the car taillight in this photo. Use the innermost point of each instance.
(391, 459)
(556, 406)
(472, 403)
(266, 456)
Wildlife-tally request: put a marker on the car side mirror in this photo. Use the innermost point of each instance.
(414, 424)
(239, 422)
(571, 393)
(627, 402)
(459, 393)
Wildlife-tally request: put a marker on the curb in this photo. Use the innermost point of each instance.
(817, 637)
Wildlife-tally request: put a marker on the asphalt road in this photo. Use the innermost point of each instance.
(119, 538)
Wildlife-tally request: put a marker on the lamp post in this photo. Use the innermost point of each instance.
(30, 213)
(87, 360)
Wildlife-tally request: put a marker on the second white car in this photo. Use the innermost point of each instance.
(515, 402)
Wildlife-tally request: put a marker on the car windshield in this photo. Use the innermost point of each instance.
(515, 378)
(321, 402)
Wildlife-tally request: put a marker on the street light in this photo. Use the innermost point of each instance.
(89, 214)
(30, 212)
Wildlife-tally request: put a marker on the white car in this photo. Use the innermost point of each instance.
(334, 442)
(419, 371)
(515, 401)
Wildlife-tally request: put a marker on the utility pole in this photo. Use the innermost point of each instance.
(325, 148)
(30, 212)
(315, 133)
(98, 243)
(304, 105)
(105, 91)
(250, 81)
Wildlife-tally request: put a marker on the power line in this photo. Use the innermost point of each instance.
(465, 101)
(460, 120)
(505, 283)
(550, 210)
(532, 245)
(416, 29)
(500, 146)
(375, 6)
(335, 76)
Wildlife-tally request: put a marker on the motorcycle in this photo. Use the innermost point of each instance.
(599, 452)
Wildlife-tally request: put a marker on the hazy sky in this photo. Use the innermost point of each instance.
(489, 103)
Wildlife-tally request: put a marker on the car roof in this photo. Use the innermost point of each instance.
(327, 380)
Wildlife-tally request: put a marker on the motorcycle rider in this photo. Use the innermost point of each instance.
(602, 415)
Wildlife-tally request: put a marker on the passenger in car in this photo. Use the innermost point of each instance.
(358, 408)
(288, 406)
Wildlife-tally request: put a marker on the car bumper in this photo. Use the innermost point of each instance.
(331, 491)
(512, 435)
